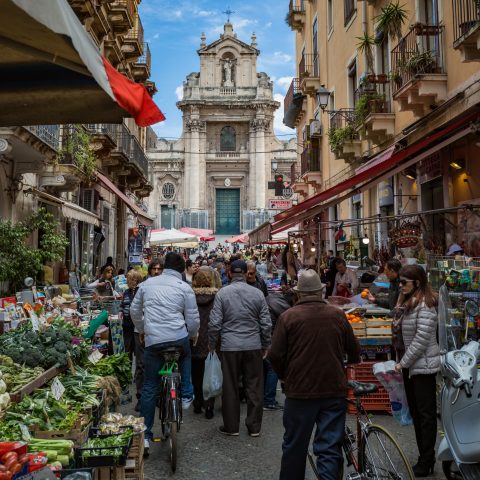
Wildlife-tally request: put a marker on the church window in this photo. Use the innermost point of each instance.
(228, 139)
(168, 191)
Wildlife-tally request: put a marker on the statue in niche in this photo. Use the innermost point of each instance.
(228, 73)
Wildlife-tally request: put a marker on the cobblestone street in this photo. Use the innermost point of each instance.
(204, 454)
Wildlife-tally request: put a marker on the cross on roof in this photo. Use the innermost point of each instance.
(228, 12)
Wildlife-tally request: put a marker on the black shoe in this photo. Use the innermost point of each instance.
(254, 434)
(276, 406)
(197, 409)
(423, 469)
(137, 406)
(209, 413)
(224, 432)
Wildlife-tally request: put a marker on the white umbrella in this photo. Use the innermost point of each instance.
(171, 237)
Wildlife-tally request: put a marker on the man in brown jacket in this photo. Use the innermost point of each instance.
(308, 349)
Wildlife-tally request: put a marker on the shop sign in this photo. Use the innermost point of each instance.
(135, 246)
(274, 204)
(385, 194)
(430, 168)
(287, 192)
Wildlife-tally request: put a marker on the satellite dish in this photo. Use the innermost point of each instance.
(29, 282)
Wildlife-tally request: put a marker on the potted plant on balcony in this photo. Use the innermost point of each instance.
(365, 46)
(421, 62)
(391, 19)
(338, 136)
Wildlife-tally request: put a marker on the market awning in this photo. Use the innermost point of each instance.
(52, 72)
(203, 234)
(261, 234)
(143, 218)
(243, 238)
(172, 237)
(377, 169)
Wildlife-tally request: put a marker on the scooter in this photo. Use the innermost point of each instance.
(459, 450)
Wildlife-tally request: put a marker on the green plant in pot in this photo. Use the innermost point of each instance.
(391, 19)
(338, 136)
(423, 62)
(76, 148)
(365, 46)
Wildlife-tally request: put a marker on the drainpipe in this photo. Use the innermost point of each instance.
(365, 29)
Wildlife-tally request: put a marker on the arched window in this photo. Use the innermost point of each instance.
(228, 139)
(168, 191)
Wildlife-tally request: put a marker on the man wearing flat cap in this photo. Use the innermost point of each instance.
(308, 349)
(240, 317)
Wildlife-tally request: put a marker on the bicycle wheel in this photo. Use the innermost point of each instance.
(382, 458)
(173, 446)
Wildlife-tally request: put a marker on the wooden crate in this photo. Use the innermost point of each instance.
(134, 469)
(110, 473)
(41, 380)
(359, 329)
(379, 322)
(77, 434)
(137, 448)
(379, 331)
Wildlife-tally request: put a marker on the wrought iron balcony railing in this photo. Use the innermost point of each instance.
(136, 33)
(372, 100)
(309, 66)
(419, 52)
(342, 118)
(50, 134)
(146, 58)
(294, 90)
(310, 160)
(137, 156)
(296, 6)
(466, 17)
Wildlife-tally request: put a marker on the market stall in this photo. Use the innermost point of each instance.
(62, 376)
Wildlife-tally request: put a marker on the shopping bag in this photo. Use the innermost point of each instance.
(212, 378)
(392, 381)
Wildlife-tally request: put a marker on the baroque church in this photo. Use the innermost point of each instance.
(217, 174)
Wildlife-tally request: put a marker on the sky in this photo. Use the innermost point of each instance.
(173, 30)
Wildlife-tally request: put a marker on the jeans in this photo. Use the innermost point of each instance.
(153, 362)
(299, 418)
(270, 387)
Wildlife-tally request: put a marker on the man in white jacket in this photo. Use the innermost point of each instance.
(165, 311)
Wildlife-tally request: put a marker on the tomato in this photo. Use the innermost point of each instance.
(24, 459)
(7, 456)
(5, 476)
(3, 468)
(15, 468)
(10, 462)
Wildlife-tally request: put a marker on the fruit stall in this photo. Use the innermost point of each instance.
(60, 387)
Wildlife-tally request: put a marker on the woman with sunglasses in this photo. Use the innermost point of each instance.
(418, 357)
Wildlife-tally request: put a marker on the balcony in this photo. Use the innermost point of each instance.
(373, 113)
(419, 79)
(310, 168)
(113, 52)
(138, 158)
(103, 137)
(343, 137)
(48, 134)
(296, 15)
(133, 43)
(121, 15)
(466, 29)
(309, 73)
(293, 105)
(142, 67)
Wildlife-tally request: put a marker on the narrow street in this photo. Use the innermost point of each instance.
(205, 454)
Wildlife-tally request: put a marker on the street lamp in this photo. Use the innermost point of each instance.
(274, 165)
(365, 240)
(323, 96)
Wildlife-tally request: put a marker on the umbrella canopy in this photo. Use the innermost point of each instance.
(238, 239)
(203, 234)
(171, 237)
(52, 71)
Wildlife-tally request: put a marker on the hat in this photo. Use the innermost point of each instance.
(455, 248)
(309, 282)
(238, 266)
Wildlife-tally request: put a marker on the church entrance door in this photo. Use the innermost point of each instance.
(227, 211)
(168, 216)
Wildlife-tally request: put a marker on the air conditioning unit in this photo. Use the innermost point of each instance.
(315, 128)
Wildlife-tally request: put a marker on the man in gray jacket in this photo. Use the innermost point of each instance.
(165, 311)
(241, 318)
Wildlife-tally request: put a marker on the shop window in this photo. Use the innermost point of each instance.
(228, 139)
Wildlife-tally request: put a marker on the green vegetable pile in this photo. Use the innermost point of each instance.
(118, 365)
(100, 446)
(60, 451)
(47, 348)
(15, 376)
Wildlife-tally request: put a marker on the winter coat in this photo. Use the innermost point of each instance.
(240, 316)
(260, 284)
(165, 309)
(127, 300)
(419, 332)
(277, 304)
(205, 298)
(308, 349)
(393, 294)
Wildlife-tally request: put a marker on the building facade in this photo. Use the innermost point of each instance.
(92, 177)
(398, 133)
(216, 174)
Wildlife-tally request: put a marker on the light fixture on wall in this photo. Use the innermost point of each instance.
(458, 164)
(410, 173)
(365, 239)
(323, 96)
(274, 165)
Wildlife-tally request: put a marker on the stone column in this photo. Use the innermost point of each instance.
(187, 166)
(203, 166)
(251, 175)
(195, 126)
(261, 125)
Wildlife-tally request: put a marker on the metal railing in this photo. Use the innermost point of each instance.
(466, 17)
(145, 58)
(372, 100)
(296, 6)
(136, 33)
(293, 90)
(110, 129)
(50, 134)
(341, 118)
(128, 4)
(310, 160)
(419, 52)
(308, 66)
(137, 156)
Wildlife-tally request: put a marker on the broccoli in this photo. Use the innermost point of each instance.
(33, 357)
(65, 336)
(61, 347)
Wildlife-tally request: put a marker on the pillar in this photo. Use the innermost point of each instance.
(261, 126)
(252, 172)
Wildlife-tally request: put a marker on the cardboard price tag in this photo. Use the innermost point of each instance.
(57, 389)
(95, 356)
(35, 322)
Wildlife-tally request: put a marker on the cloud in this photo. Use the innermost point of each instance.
(179, 92)
(157, 35)
(268, 25)
(205, 13)
(278, 125)
(284, 83)
(278, 58)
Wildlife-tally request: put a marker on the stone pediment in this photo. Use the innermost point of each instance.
(228, 39)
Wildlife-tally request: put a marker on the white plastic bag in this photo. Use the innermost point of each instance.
(213, 377)
(392, 381)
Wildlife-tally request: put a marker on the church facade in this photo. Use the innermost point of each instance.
(216, 174)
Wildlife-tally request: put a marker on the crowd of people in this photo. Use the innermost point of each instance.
(219, 301)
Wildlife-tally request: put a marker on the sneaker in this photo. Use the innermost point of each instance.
(146, 447)
(276, 406)
(257, 434)
(224, 432)
(186, 402)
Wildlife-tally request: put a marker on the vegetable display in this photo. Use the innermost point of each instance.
(56, 450)
(118, 365)
(103, 446)
(13, 376)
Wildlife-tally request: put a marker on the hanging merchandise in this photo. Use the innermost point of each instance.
(340, 235)
(407, 234)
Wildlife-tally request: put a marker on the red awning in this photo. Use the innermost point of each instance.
(238, 239)
(369, 174)
(203, 234)
(143, 218)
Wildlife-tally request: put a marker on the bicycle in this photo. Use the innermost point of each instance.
(372, 450)
(170, 400)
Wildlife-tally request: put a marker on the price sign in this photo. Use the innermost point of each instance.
(57, 389)
(95, 356)
(35, 322)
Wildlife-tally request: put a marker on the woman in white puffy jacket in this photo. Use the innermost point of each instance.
(418, 357)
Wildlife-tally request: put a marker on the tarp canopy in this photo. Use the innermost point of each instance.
(172, 237)
(243, 238)
(52, 72)
(203, 234)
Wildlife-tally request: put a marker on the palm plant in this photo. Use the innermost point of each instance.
(365, 46)
(391, 20)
